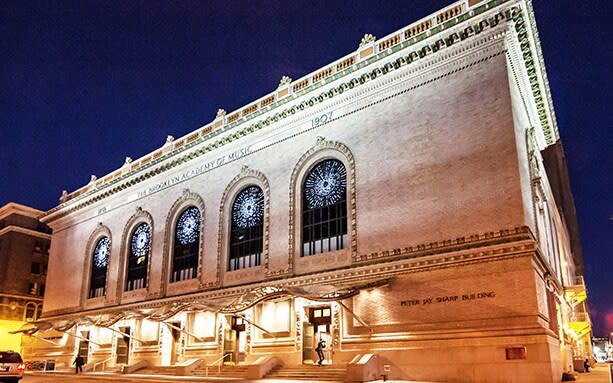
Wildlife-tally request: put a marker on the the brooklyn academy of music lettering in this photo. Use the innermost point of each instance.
(408, 204)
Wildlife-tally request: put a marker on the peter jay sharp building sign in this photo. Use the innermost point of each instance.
(447, 299)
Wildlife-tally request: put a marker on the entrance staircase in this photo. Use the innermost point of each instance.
(158, 370)
(224, 371)
(329, 373)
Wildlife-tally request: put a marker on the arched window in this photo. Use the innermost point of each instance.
(246, 239)
(140, 245)
(187, 243)
(324, 208)
(100, 262)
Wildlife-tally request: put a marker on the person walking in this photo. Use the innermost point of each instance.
(586, 365)
(321, 345)
(78, 362)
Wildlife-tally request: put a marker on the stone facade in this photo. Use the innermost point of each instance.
(454, 246)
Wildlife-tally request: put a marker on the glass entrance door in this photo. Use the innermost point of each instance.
(123, 346)
(229, 346)
(308, 352)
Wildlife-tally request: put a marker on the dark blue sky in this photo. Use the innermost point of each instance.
(83, 84)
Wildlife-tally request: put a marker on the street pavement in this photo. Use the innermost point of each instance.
(599, 374)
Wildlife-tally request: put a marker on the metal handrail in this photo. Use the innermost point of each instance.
(218, 360)
(101, 362)
(183, 331)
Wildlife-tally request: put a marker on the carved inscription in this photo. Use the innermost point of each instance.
(195, 171)
(448, 299)
(320, 120)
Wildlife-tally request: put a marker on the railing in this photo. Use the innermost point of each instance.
(101, 363)
(219, 362)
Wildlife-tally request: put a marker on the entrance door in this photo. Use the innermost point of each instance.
(123, 346)
(174, 342)
(229, 346)
(321, 319)
(238, 325)
(83, 349)
(235, 341)
(307, 343)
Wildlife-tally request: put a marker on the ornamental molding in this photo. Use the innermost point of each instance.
(285, 80)
(187, 199)
(139, 216)
(246, 177)
(473, 26)
(479, 248)
(367, 39)
(323, 150)
(99, 232)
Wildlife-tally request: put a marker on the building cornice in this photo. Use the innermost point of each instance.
(21, 297)
(28, 232)
(18, 209)
(458, 22)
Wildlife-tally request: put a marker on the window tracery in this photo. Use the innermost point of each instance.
(326, 184)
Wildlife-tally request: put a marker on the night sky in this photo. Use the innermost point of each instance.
(83, 84)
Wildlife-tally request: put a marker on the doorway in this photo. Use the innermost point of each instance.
(123, 346)
(235, 341)
(83, 347)
(175, 336)
(316, 329)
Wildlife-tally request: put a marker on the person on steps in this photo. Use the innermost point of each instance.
(78, 362)
(321, 345)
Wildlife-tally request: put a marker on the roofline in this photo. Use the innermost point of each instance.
(16, 208)
(369, 52)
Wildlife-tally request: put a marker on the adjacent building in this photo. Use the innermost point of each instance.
(24, 253)
(398, 203)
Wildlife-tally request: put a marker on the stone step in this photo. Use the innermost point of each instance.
(158, 370)
(225, 371)
(310, 372)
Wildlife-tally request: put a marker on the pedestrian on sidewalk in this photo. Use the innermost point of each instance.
(586, 365)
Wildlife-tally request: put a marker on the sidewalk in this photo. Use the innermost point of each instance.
(599, 374)
(65, 376)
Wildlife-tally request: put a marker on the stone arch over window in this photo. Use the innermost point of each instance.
(136, 243)
(187, 250)
(98, 258)
(242, 192)
(330, 152)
